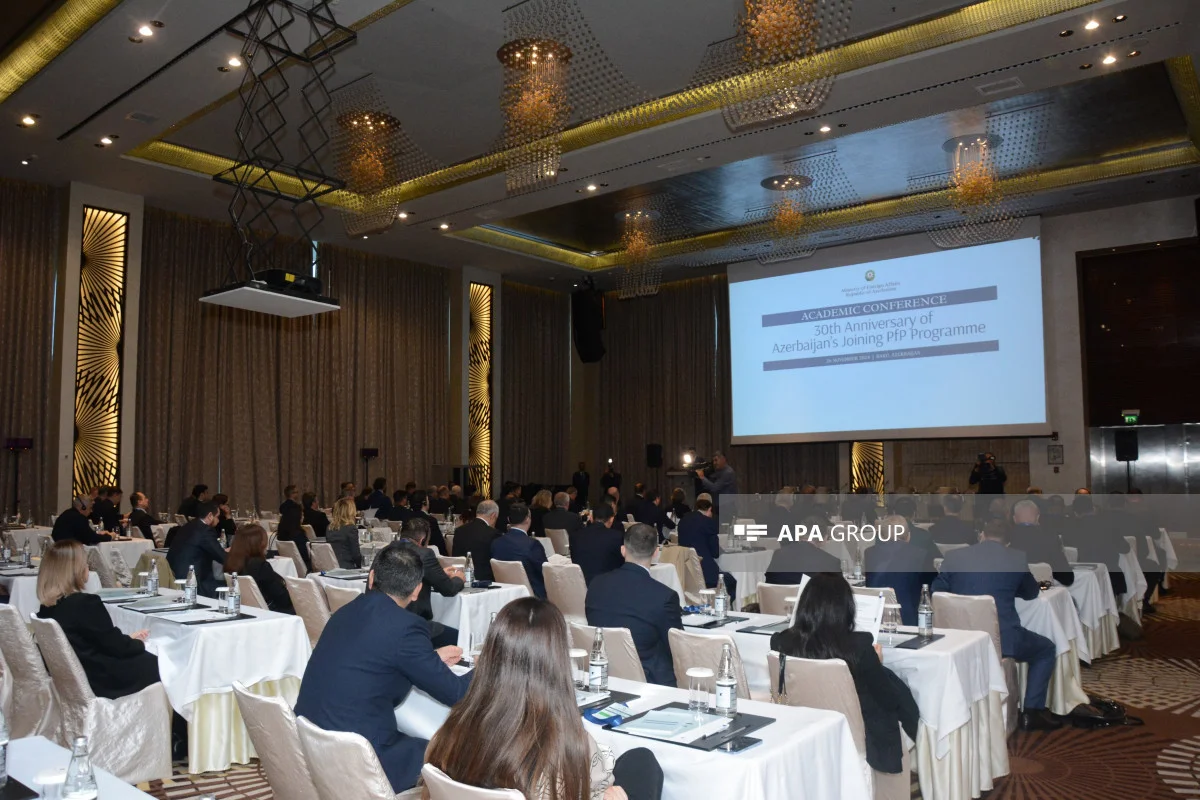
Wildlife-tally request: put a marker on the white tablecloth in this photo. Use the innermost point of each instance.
(1053, 615)
(28, 758)
(23, 535)
(22, 591)
(748, 569)
(1093, 597)
(284, 566)
(667, 574)
(1135, 583)
(130, 550)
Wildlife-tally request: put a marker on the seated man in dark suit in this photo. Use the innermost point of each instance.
(991, 568)
(289, 529)
(400, 511)
(419, 502)
(314, 516)
(372, 653)
(699, 530)
(199, 495)
(140, 518)
(906, 506)
(951, 528)
(1038, 545)
(107, 510)
(574, 503)
(561, 517)
(440, 505)
(1096, 540)
(900, 564)
(649, 510)
(195, 545)
(73, 524)
(517, 545)
(477, 537)
(800, 557)
(378, 499)
(596, 548)
(446, 581)
(631, 598)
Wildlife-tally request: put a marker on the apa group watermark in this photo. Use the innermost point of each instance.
(817, 534)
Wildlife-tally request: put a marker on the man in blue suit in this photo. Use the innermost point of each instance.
(372, 653)
(650, 511)
(900, 564)
(597, 547)
(698, 530)
(517, 545)
(991, 568)
(631, 598)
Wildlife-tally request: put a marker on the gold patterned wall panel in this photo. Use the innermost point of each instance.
(479, 388)
(866, 466)
(98, 348)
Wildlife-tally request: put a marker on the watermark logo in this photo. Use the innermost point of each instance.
(870, 276)
(751, 533)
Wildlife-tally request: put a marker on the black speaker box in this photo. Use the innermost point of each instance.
(1126, 444)
(369, 452)
(587, 322)
(654, 456)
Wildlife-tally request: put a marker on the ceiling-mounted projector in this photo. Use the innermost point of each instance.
(276, 292)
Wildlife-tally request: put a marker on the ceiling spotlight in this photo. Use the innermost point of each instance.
(29, 120)
(1109, 60)
(106, 140)
(365, 236)
(1085, 66)
(1066, 33)
(1120, 18)
(234, 62)
(445, 226)
(591, 187)
(145, 30)
(24, 162)
(402, 215)
(825, 129)
(1134, 53)
(1092, 25)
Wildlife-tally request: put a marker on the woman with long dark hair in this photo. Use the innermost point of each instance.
(248, 556)
(519, 727)
(824, 628)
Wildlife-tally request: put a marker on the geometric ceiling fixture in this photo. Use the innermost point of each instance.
(372, 153)
(648, 221)
(780, 63)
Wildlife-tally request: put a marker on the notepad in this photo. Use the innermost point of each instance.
(195, 615)
(675, 725)
(347, 573)
(868, 613)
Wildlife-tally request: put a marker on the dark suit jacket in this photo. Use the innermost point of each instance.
(953, 530)
(195, 544)
(597, 549)
(369, 657)
(381, 501)
(1097, 539)
(563, 520)
(344, 541)
(516, 545)
(72, 524)
(476, 538)
(439, 505)
(630, 598)
(107, 514)
(1042, 546)
(290, 516)
(884, 698)
(270, 583)
(795, 559)
(991, 568)
(400, 513)
(435, 579)
(651, 514)
(318, 520)
(923, 539)
(703, 535)
(435, 532)
(904, 567)
(582, 481)
(141, 519)
(187, 506)
(115, 664)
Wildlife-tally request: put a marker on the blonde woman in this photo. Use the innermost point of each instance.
(542, 503)
(115, 664)
(343, 534)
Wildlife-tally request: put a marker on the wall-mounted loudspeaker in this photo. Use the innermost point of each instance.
(654, 456)
(1125, 441)
(587, 322)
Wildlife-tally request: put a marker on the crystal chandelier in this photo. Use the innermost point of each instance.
(979, 210)
(778, 30)
(536, 109)
(974, 184)
(640, 276)
(788, 219)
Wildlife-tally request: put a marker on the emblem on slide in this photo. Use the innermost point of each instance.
(870, 275)
(752, 533)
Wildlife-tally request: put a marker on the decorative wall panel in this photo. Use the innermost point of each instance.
(479, 388)
(866, 466)
(98, 348)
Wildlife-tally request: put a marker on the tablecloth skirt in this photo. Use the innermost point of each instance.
(978, 754)
(1103, 640)
(217, 737)
(1066, 688)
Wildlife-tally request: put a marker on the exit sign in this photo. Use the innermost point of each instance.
(1131, 416)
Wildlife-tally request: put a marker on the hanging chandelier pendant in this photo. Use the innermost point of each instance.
(536, 109)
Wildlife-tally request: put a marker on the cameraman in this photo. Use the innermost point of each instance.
(719, 479)
(987, 475)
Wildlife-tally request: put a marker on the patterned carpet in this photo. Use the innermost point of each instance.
(1157, 678)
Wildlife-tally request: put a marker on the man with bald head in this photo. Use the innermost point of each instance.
(561, 517)
(477, 537)
(1040, 545)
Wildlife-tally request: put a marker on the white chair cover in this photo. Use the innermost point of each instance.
(343, 765)
(120, 569)
(559, 540)
(130, 736)
(452, 561)
(6, 689)
(978, 613)
(149, 561)
(704, 650)
(1041, 571)
(180, 519)
(309, 601)
(566, 588)
(98, 564)
(623, 661)
(323, 557)
(687, 564)
(35, 708)
(1072, 554)
(385, 535)
(511, 572)
(338, 596)
(772, 597)
(272, 728)
(394, 525)
(441, 787)
(309, 532)
(251, 595)
(290, 550)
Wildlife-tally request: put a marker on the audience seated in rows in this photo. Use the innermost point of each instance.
(187, 507)
(517, 545)
(561, 517)
(195, 545)
(901, 565)
(378, 499)
(73, 525)
(596, 547)
(649, 510)
(342, 535)
(539, 507)
(699, 530)
(419, 503)
(1038, 544)
(314, 516)
(248, 556)
(795, 559)
(140, 517)
(476, 537)
(951, 528)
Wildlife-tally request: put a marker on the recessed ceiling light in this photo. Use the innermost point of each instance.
(1092, 25)
(365, 236)
(591, 187)
(1134, 53)
(825, 129)
(29, 120)
(106, 141)
(1109, 60)
(1066, 33)
(136, 39)
(1085, 66)
(235, 62)
(402, 215)
(444, 226)
(145, 30)
(24, 162)
(1120, 18)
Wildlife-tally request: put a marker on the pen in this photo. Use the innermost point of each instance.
(725, 730)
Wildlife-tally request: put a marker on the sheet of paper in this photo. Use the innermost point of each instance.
(868, 614)
(194, 615)
(676, 725)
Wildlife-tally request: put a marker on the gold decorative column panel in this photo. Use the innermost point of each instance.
(866, 466)
(479, 388)
(98, 373)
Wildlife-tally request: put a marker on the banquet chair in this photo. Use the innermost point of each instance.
(323, 557)
(309, 532)
(251, 595)
(704, 650)
(384, 535)
(309, 601)
(394, 525)
(1072, 554)
(448, 538)
(44, 541)
(889, 594)
(558, 538)
(290, 550)
(150, 561)
(272, 728)
(827, 684)
(511, 572)
(772, 597)
(452, 561)
(180, 519)
(1042, 572)
(120, 569)
(35, 707)
(338, 596)
(344, 766)
(6, 688)
(623, 660)
(130, 736)
(687, 564)
(946, 548)
(968, 613)
(10, 540)
(98, 564)
(443, 787)
(566, 589)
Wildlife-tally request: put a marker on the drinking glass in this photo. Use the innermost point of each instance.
(579, 668)
(222, 605)
(368, 557)
(708, 596)
(846, 569)
(144, 579)
(476, 646)
(789, 606)
(890, 623)
(699, 680)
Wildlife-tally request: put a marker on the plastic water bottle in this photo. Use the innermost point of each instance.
(598, 664)
(5, 552)
(726, 684)
(26, 554)
(469, 571)
(152, 582)
(925, 614)
(721, 599)
(233, 600)
(81, 781)
(191, 587)
(3, 751)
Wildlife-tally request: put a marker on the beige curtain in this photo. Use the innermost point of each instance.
(30, 238)
(665, 380)
(535, 388)
(249, 402)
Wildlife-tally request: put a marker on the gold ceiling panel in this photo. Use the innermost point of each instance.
(1187, 88)
(63, 28)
